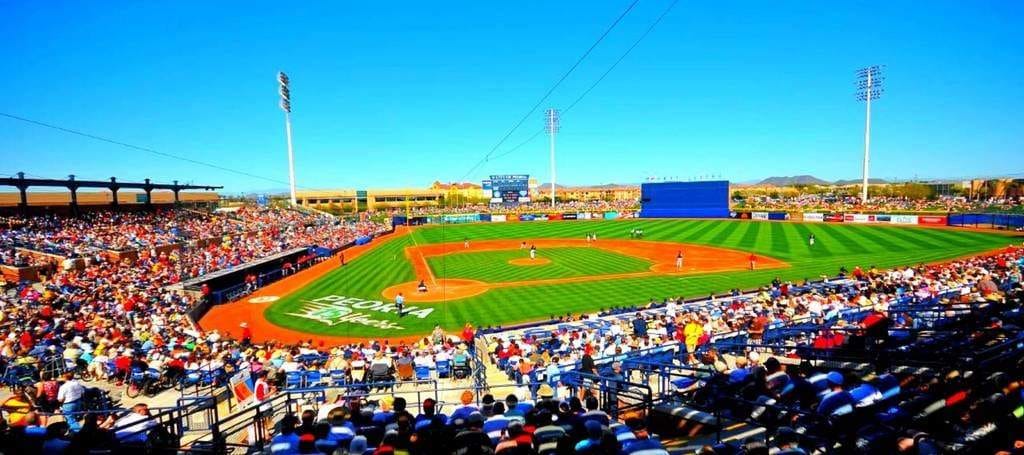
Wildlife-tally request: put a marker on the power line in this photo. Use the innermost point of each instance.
(622, 57)
(599, 79)
(553, 87)
(521, 144)
(138, 147)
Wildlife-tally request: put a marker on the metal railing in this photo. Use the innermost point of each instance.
(616, 396)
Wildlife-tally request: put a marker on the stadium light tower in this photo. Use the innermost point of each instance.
(286, 106)
(869, 87)
(551, 125)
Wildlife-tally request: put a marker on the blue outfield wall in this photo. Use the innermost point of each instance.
(994, 220)
(685, 199)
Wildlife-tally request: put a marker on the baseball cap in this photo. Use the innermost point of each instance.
(834, 377)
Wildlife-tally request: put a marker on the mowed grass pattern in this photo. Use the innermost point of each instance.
(493, 266)
(837, 245)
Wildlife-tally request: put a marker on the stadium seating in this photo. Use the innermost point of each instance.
(846, 364)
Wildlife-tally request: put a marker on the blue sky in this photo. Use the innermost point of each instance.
(399, 94)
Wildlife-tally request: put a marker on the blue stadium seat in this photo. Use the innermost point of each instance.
(338, 377)
(312, 378)
(865, 395)
(888, 386)
(422, 373)
(444, 368)
(293, 380)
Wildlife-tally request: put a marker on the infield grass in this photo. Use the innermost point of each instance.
(837, 245)
(494, 266)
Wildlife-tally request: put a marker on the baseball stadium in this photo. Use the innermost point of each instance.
(395, 281)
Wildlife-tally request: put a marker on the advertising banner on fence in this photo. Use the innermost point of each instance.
(740, 215)
(931, 220)
(778, 216)
(460, 218)
(555, 216)
(795, 216)
(583, 216)
(903, 219)
(526, 217)
(834, 217)
(511, 217)
(883, 218)
(497, 218)
(540, 217)
(611, 215)
(859, 218)
(814, 217)
(759, 215)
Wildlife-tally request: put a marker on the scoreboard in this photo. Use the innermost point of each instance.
(508, 189)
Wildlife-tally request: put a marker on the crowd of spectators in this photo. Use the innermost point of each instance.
(13, 257)
(535, 207)
(881, 204)
(980, 279)
(102, 317)
(202, 242)
(90, 232)
(496, 425)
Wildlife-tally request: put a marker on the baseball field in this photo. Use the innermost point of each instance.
(483, 273)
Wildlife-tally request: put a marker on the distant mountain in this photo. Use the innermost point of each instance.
(548, 185)
(871, 181)
(794, 180)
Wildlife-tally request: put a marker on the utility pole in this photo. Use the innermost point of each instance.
(551, 124)
(869, 87)
(286, 106)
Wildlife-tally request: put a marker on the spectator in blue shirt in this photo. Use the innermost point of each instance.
(324, 444)
(640, 326)
(287, 442)
(592, 443)
(459, 416)
(342, 431)
(837, 400)
(55, 442)
(497, 423)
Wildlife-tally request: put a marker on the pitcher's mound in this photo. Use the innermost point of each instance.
(528, 261)
(452, 289)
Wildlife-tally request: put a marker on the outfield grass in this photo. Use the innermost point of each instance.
(837, 245)
(493, 266)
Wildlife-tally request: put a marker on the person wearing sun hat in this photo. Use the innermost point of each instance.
(545, 392)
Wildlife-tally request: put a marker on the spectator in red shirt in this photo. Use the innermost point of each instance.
(757, 327)
(246, 334)
(26, 341)
(122, 364)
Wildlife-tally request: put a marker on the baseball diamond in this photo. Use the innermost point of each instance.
(479, 285)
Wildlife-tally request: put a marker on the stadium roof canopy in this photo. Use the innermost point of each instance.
(113, 185)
